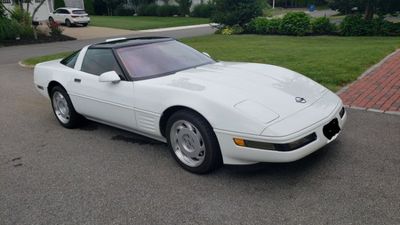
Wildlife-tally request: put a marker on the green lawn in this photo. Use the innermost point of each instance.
(35, 60)
(144, 22)
(331, 61)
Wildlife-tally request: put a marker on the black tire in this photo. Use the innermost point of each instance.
(75, 119)
(212, 159)
(51, 20)
(84, 24)
(68, 23)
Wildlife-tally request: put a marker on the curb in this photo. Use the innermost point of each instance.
(175, 28)
(366, 73)
(20, 63)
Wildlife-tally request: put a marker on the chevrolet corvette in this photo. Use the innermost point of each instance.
(208, 112)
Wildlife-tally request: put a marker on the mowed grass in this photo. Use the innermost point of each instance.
(35, 60)
(144, 22)
(329, 60)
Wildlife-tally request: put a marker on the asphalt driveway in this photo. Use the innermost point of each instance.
(102, 175)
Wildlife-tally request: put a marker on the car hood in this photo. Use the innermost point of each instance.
(272, 87)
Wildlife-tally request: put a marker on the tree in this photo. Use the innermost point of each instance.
(232, 12)
(88, 6)
(59, 4)
(368, 7)
(184, 6)
(33, 16)
(3, 10)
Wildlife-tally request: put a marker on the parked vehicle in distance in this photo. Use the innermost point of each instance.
(70, 16)
(208, 112)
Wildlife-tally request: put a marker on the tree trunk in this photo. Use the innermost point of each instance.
(369, 11)
(33, 17)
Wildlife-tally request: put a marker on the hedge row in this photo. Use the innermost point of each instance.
(300, 24)
(157, 10)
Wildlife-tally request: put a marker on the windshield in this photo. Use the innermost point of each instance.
(79, 12)
(161, 58)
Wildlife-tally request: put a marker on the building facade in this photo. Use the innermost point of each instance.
(44, 11)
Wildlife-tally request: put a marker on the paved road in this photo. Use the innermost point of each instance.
(102, 175)
(16, 53)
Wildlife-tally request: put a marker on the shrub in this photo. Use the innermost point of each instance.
(229, 30)
(55, 28)
(148, 10)
(203, 10)
(355, 25)
(232, 12)
(21, 16)
(295, 23)
(59, 4)
(262, 25)
(122, 10)
(184, 6)
(9, 29)
(390, 29)
(167, 10)
(322, 25)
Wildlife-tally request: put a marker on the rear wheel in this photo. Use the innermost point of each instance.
(68, 23)
(192, 142)
(63, 108)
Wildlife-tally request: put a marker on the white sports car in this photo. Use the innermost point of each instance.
(208, 112)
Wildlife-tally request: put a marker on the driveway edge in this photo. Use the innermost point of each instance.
(366, 73)
(20, 63)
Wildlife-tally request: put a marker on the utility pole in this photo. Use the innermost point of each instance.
(273, 4)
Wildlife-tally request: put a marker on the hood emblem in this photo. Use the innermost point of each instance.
(300, 100)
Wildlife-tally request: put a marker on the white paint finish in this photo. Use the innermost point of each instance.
(111, 102)
(73, 18)
(245, 100)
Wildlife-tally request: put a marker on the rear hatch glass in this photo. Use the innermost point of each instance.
(79, 12)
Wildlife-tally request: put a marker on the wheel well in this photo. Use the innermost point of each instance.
(168, 113)
(51, 85)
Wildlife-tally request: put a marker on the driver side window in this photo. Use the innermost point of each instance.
(98, 61)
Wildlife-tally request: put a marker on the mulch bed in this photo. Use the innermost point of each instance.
(41, 39)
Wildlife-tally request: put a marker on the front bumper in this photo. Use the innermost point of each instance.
(237, 155)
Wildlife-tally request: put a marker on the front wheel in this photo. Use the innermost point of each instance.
(63, 108)
(193, 143)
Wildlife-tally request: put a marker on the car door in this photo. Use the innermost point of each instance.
(63, 15)
(103, 101)
(56, 15)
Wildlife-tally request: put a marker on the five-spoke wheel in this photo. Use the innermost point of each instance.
(192, 142)
(63, 108)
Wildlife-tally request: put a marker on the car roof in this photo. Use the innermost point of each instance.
(119, 43)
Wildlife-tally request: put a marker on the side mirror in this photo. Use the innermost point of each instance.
(110, 76)
(206, 54)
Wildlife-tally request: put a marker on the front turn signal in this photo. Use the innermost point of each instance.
(240, 142)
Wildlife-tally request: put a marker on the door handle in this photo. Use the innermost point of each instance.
(77, 80)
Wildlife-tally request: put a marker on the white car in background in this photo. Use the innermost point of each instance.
(209, 112)
(70, 16)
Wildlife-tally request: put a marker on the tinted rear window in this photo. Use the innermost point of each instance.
(78, 12)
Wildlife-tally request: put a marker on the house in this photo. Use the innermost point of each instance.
(48, 6)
